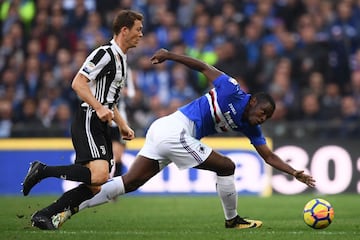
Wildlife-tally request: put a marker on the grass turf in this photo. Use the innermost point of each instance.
(181, 217)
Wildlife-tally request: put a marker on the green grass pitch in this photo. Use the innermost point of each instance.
(181, 217)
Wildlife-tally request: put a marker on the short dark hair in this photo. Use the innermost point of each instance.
(263, 97)
(125, 18)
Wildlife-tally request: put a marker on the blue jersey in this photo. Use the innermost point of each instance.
(221, 110)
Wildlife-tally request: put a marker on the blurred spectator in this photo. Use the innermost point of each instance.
(174, 36)
(266, 10)
(218, 27)
(284, 90)
(77, 12)
(317, 84)
(201, 20)
(185, 12)
(265, 67)
(305, 52)
(11, 88)
(350, 118)
(331, 102)
(230, 58)
(45, 112)
(6, 121)
(18, 38)
(355, 87)
(355, 61)
(202, 49)
(344, 40)
(166, 20)
(27, 123)
(66, 37)
(50, 48)
(146, 79)
(32, 76)
(310, 55)
(181, 91)
(278, 120)
(252, 42)
(62, 120)
(16, 10)
(288, 43)
(93, 33)
(289, 12)
(310, 108)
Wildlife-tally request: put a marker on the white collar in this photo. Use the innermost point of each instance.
(118, 49)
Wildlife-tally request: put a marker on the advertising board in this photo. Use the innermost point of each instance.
(252, 176)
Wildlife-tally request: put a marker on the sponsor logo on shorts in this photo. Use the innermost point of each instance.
(201, 149)
(103, 149)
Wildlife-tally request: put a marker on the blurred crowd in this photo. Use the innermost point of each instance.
(306, 53)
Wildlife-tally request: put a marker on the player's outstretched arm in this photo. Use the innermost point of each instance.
(209, 71)
(272, 159)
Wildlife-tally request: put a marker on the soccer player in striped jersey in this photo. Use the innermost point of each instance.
(98, 85)
(176, 138)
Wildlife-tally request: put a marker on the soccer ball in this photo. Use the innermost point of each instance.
(318, 213)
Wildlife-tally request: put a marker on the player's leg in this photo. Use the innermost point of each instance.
(139, 173)
(90, 143)
(71, 199)
(75, 172)
(225, 186)
(39, 171)
(142, 169)
(94, 152)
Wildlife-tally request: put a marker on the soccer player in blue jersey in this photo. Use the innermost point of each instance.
(176, 138)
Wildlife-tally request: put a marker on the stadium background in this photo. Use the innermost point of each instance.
(305, 53)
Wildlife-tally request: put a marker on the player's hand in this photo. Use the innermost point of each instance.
(105, 114)
(159, 56)
(127, 133)
(302, 177)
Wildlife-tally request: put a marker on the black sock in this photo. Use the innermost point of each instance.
(69, 200)
(74, 172)
(118, 169)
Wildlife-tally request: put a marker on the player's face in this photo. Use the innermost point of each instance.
(260, 113)
(134, 34)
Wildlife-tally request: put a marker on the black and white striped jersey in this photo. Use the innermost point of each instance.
(106, 69)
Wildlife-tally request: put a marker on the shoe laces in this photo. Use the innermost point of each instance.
(241, 220)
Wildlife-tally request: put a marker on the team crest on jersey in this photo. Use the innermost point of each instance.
(120, 83)
(201, 149)
(89, 67)
(233, 81)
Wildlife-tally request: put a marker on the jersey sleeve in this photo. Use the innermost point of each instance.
(226, 85)
(94, 63)
(255, 135)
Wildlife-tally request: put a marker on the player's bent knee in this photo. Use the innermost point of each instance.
(227, 167)
(231, 165)
(99, 178)
(95, 189)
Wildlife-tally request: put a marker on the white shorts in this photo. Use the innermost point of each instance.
(170, 139)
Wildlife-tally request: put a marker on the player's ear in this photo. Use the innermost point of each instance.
(253, 101)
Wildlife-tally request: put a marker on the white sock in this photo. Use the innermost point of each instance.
(109, 190)
(226, 190)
